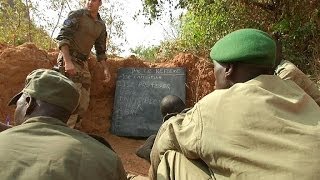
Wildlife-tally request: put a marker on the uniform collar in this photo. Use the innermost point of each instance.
(87, 12)
(45, 119)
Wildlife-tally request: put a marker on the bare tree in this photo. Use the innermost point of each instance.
(29, 20)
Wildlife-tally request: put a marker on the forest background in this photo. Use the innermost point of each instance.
(200, 24)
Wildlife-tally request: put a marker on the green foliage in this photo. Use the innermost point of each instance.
(200, 29)
(147, 53)
(169, 48)
(206, 21)
(110, 12)
(15, 26)
(154, 9)
(115, 27)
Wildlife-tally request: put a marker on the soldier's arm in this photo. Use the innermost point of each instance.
(100, 45)
(65, 36)
(180, 133)
(69, 67)
(288, 71)
(69, 27)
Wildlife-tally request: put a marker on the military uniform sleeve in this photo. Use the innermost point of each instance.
(70, 25)
(121, 172)
(100, 45)
(154, 155)
(288, 71)
(181, 133)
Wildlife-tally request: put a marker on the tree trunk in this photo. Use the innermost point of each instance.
(29, 21)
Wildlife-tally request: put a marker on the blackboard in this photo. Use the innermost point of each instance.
(139, 91)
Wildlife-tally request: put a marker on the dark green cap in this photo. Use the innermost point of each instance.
(250, 46)
(52, 87)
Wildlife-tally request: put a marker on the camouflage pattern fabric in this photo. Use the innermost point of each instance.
(82, 81)
(80, 32)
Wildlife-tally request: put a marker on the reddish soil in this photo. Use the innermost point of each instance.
(17, 62)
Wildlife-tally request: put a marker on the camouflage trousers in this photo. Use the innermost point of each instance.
(82, 80)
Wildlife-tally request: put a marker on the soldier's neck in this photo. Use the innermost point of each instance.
(94, 15)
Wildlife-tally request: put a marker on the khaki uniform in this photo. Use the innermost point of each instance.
(265, 128)
(45, 148)
(81, 32)
(288, 71)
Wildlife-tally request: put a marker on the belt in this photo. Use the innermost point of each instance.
(79, 56)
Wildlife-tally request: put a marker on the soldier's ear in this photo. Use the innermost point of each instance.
(229, 69)
(31, 104)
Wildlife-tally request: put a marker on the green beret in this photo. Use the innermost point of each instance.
(51, 87)
(250, 46)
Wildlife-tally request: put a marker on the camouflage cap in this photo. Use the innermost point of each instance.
(250, 46)
(52, 87)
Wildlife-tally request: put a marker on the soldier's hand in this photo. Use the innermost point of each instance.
(144, 151)
(107, 75)
(70, 69)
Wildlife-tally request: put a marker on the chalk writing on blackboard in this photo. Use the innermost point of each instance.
(138, 94)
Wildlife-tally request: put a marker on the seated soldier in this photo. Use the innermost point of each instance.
(288, 71)
(41, 146)
(170, 106)
(254, 125)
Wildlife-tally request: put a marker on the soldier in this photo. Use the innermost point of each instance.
(288, 71)
(81, 30)
(170, 105)
(254, 125)
(41, 146)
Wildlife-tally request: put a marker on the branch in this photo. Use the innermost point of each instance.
(55, 27)
(265, 6)
(29, 21)
(68, 5)
(172, 34)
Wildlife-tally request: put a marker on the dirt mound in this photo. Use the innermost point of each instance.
(17, 62)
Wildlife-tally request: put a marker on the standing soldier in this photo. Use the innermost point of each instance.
(81, 30)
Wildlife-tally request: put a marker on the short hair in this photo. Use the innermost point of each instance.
(171, 104)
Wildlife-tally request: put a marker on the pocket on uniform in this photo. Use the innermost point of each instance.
(77, 78)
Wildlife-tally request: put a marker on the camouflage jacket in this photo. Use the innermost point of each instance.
(80, 32)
